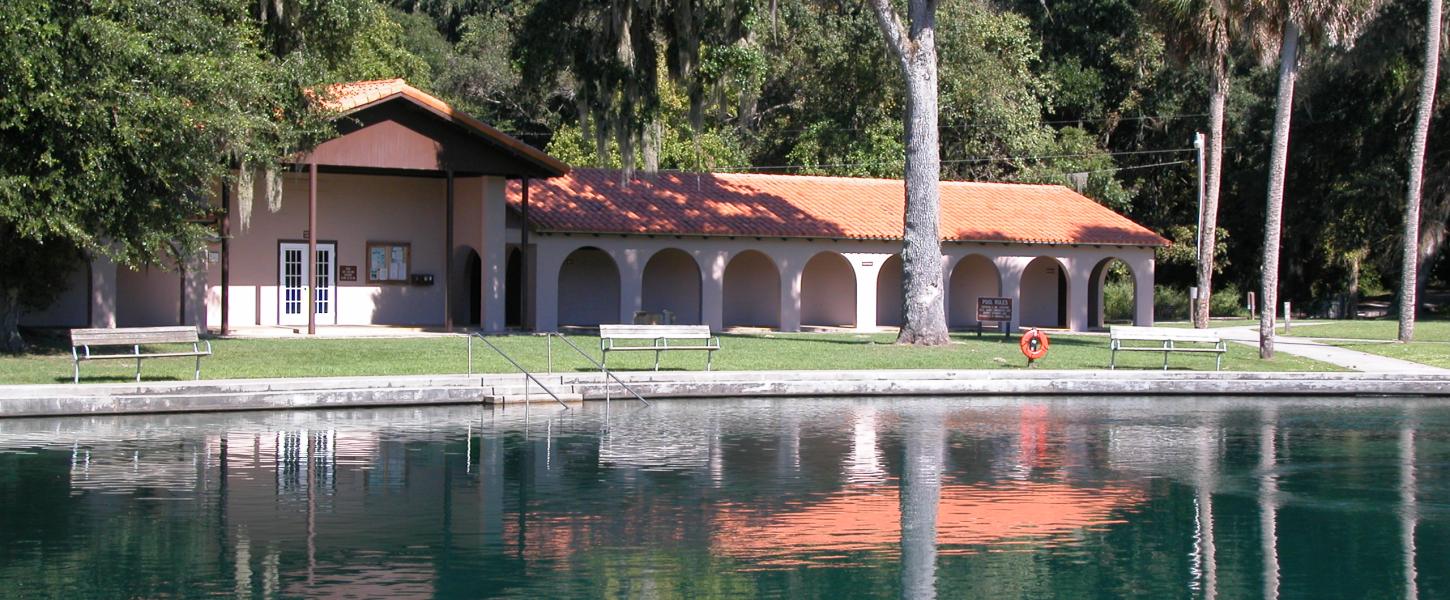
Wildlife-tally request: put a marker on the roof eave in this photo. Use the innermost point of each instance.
(551, 166)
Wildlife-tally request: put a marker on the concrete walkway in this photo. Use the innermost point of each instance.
(1334, 355)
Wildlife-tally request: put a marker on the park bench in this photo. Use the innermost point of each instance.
(1165, 340)
(83, 340)
(659, 337)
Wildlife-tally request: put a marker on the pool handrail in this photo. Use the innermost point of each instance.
(552, 334)
(527, 375)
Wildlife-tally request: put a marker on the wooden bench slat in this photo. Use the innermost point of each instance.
(133, 335)
(652, 332)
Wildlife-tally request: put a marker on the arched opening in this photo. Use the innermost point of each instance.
(1044, 294)
(828, 291)
(672, 283)
(888, 293)
(513, 291)
(1112, 294)
(974, 276)
(473, 280)
(752, 291)
(588, 288)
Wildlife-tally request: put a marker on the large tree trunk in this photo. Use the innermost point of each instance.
(1208, 231)
(1274, 212)
(920, 498)
(923, 319)
(10, 340)
(1410, 246)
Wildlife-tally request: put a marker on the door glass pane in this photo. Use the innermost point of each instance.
(324, 283)
(292, 282)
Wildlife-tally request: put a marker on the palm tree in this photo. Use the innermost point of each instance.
(1278, 27)
(923, 319)
(1197, 31)
(1410, 245)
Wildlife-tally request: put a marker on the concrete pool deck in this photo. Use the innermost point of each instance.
(354, 392)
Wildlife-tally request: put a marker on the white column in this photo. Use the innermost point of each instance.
(791, 268)
(867, 268)
(631, 282)
(194, 284)
(1079, 278)
(103, 292)
(548, 259)
(1143, 290)
(492, 253)
(712, 287)
(1011, 268)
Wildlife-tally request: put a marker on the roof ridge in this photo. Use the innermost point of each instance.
(836, 178)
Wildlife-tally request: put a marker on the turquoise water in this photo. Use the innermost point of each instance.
(952, 498)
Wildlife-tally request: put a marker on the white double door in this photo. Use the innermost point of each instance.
(292, 284)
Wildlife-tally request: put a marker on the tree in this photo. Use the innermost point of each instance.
(1198, 32)
(118, 119)
(1278, 26)
(923, 319)
(1410, 244)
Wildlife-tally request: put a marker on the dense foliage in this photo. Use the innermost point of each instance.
(116, 112)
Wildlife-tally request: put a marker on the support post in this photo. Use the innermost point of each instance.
(310, 263)
(226, 234)
(524, 255)
(448, 259)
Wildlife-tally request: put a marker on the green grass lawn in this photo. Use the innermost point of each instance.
(235, 358)
(1431, 345)
(1371, 329)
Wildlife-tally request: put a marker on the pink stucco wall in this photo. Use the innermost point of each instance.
(588, 289)
(352, 211)
(752, 291)
(672, 281)
(828, 291)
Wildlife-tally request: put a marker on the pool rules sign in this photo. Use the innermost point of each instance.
(994, 309)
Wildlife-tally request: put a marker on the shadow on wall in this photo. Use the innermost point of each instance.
(665, 203)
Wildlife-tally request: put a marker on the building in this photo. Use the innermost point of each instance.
(419, 216)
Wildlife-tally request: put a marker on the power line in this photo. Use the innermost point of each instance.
(966, 160)
(964, 127)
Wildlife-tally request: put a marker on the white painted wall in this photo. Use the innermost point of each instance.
(752, 291)
(588, 288)
(672, 282)
(828, 291)
(1040, 293)
(973, 277)
(745, 295)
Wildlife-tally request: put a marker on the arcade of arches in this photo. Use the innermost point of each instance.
(790, 285)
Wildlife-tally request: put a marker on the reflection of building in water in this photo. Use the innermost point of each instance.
(861, 519)
(652, 442)
(864, 465)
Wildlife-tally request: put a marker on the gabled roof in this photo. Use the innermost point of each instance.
(347, 98)
(738, 204)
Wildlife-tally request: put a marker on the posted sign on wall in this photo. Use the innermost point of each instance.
(994, 309)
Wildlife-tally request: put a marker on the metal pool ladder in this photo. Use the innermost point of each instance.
(527, 375)
(553, 334)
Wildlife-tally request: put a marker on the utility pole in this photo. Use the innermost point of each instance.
(1196, 306)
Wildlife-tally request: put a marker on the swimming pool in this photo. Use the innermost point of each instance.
(952, 497)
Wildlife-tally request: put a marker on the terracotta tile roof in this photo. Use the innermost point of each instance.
(594, 201)
(344, 98)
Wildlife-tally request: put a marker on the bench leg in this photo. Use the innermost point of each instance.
(657, 360)
(77, 378)
(1113, 359)
(138, 370)
(198, 368)
(709, 357)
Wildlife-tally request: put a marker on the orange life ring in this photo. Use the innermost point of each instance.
(1034, 344)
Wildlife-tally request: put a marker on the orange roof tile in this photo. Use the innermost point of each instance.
(344, 98)
(595, 201)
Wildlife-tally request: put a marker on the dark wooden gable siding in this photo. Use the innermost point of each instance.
(399, 134)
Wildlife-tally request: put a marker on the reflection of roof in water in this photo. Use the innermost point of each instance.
(869, 520)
